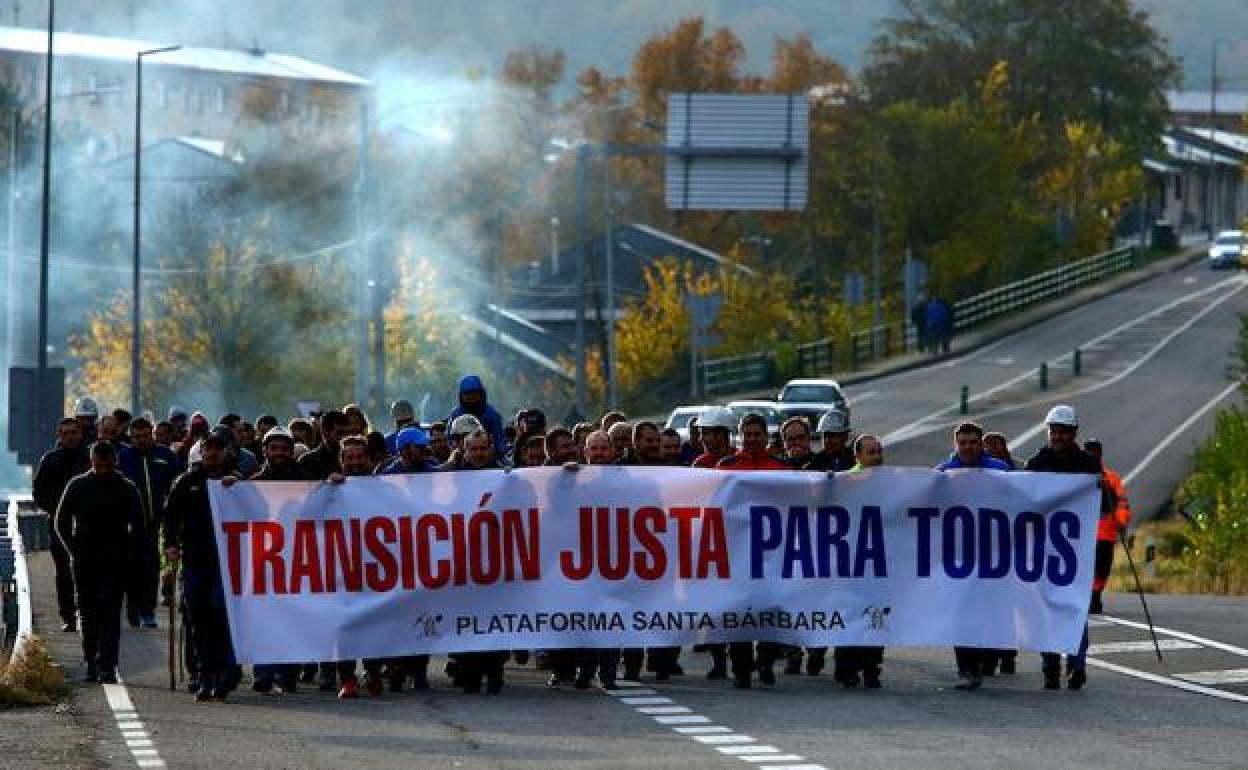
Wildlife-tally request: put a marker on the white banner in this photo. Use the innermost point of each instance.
(545, 558)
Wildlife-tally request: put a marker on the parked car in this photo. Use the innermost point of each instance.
(680, 417)
(1229, 249)
(810, 399)
(768, 409)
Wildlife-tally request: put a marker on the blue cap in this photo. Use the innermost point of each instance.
(412, 436)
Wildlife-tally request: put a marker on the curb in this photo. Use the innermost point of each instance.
(25, 613)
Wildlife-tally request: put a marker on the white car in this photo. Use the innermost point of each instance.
(768, 409)
(1229, 249)
(680, 417)
(810, 399)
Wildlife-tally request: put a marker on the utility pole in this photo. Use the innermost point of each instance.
(582, 158)
(609, 221)
(136, 331)
(41, 354)
(363, 269)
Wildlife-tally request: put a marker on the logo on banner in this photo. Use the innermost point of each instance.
(877, 617)
(427, 626)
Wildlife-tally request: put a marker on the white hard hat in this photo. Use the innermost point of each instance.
(465, 424)
(1062, 415)
(85, 407)
(717, 417)
(277, 432)
(833, 421)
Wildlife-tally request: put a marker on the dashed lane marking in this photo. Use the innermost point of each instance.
(1225, 676)
(1146, 645)
(723, 739)
(141, 746)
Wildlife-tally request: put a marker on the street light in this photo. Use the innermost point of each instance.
(137, 336)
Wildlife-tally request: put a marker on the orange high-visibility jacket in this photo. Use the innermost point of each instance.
(1110, 523)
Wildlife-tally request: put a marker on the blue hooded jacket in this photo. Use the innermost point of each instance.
(488, 415)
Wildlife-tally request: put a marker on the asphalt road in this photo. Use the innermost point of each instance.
(1165, 360)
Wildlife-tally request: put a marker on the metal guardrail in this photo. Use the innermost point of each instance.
(990, 304)
(16, 585)
(726, 375)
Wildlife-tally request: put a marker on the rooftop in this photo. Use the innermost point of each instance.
(256, 63)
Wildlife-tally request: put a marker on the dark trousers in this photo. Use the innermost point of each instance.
(601, 662)
(1104, 564)
(474, 666)
(744, 660)
(973, 660)
(143, 577)
(97, 588)
(1052, 661)
(849, 662)
(662, 659)
(209, 625)
(65, 602)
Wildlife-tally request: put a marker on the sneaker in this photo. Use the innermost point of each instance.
(289, 684)
(968, 681)
(1078, 678)
(108, 676)
(349, 689)
(607, 683)
(203, 695)
(1052, 680)
(372, 683)
(847, 680)
(553, 682)
(149, 620)
(583, 681)
(69, 626)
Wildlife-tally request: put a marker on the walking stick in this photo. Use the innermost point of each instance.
(1139, 589)
(173, 629)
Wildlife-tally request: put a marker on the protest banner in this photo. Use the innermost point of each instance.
(610, 556)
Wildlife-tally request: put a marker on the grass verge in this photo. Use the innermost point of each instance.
(31, 678)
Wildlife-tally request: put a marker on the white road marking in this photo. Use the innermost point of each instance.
(141, 746)
(716, 739)
(664, 710)
(1179, 431)
(793, 767)
(1110, 648)
(1181, 635)
(630, 693)
(1170, 681)
(683, 719)
(1225, 676)
(718, 736)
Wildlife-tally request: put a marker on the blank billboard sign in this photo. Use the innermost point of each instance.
(737, 152)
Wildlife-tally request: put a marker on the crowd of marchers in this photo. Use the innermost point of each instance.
(127, 500)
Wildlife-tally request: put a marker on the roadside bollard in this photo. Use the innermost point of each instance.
(1150, 557)
(1044, 375)
(964, 400)
(1078, 365)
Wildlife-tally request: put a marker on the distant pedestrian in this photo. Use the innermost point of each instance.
(918, 317)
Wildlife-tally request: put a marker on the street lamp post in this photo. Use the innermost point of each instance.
(45, 206)
(136, 330)
(1211, 186)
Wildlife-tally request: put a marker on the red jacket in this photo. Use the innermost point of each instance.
(752, 461)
